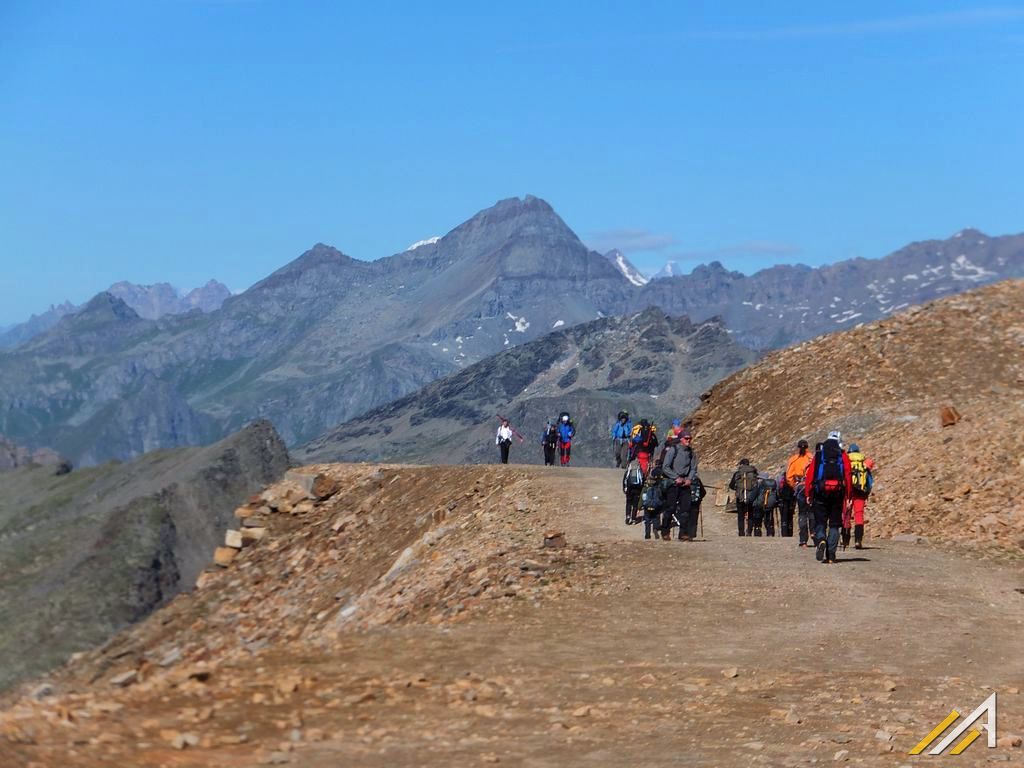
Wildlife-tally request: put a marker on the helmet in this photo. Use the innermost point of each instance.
(623, 415)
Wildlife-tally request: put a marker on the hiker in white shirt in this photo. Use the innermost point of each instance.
(504, 440)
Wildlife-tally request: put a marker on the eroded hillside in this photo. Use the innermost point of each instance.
(883, 384)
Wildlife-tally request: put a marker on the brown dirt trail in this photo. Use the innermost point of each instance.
(724, 651)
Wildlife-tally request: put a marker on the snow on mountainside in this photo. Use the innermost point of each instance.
(631, 273)
(671, 269)
(419, 243)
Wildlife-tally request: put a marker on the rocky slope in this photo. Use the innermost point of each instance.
(652, 365)
(83, 554)
(327, 337)
(149, 301)
(883, 385)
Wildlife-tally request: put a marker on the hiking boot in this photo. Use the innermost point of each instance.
(819, 552)
(647, 535)
(858, 545)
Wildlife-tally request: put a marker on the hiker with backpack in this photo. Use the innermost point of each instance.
(566, 432)
(679, 466)
(861, 482)
(764, 506)
(621, 431)
(796, 471)
(652, 501)
(633, 486)
(828, 486)
(549, 440)
(644, 439)
(744, 482)
(504, 439)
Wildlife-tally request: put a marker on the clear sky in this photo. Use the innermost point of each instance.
(187, 139)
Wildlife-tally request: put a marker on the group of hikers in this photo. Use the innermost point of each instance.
(826, 490)
(556, 438)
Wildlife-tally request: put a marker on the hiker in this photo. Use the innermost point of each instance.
(699, 492)
(744, 482)
(677, 428)
(796, 469)
(549, 439)
(679, 465)
(764, 506)
(645, 439)
(566, 432)
(652, 500)
(621, 430)
(504, 439)
(861, 482)
(633, 486)
(827, 489)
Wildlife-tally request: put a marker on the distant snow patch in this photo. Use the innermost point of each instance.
(521, 323)
(558, 324)
(911, 276)
(964, 269)
(419, 243)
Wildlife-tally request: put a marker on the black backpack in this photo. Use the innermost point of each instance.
(746, 484)
(829, 478)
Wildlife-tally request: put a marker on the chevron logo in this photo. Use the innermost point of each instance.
(987, 709)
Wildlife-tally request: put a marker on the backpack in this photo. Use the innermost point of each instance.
(859, 473)
(828, 469)
(652, 498)
(767, 497)
(551, 438)
(698, 490)
(746, 485)
(634, 477)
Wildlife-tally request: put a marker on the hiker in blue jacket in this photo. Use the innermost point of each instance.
(566, 432)
(621, 430)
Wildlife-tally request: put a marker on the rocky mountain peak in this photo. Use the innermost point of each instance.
(105, 307)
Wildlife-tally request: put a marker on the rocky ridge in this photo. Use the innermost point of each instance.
(949, 475)
(84, 554)
(329, 551)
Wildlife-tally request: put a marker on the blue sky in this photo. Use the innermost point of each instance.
(188, 139)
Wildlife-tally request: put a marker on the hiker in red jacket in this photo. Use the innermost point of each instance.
(827, 487)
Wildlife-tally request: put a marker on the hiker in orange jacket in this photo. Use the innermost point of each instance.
(794, 491)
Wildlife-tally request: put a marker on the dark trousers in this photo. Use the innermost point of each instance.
(754, 520)
(803, 518)
(694, 518)
(620, 448)
(828, 511)
(769, 521)
(549, 455)
(744, 521)
(504, 446)
(678, 502)
(632, 505)
(652, 520)
(786, 506)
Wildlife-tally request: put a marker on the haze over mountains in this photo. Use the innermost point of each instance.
(327, 337)
(149, 301)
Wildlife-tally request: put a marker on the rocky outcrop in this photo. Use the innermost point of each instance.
(934, 394)
(13, 456)
(86, 553)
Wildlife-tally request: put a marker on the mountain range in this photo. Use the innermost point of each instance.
(149, 301)
(328, 337)
(649, 364)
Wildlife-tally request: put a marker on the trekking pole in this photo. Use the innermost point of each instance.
(700, 520)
